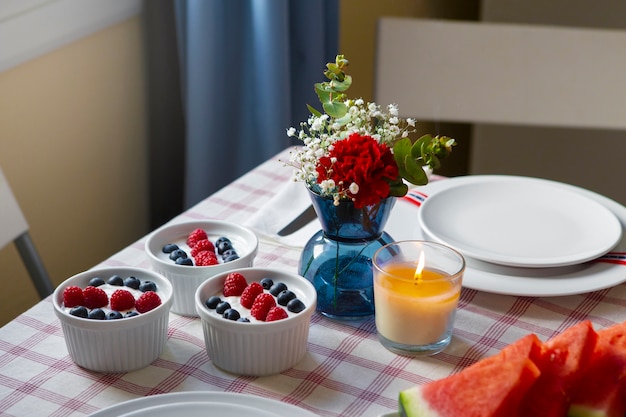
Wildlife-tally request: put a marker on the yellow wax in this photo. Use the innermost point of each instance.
(414, 311)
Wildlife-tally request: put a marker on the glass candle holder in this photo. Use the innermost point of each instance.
(417, 285)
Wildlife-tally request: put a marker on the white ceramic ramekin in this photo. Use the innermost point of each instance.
(257, 348)
(186, 279)
(121, 345)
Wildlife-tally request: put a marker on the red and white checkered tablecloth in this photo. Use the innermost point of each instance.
(346, 372)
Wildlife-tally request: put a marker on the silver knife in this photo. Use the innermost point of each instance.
(299, 222)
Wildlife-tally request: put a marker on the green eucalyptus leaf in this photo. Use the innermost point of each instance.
(402, 151)
(335, 109)
(323, 94)
(313, 110)
(408, 167)
(420, 147)
(398, 188)
(341, 86)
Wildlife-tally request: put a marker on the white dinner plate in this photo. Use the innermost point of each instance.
(200, 404)
(590, 276)
(520, 221)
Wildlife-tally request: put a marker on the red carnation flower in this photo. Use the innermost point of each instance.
(361, 160)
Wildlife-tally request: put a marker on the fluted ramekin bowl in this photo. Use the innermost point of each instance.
(186, 279)
(256, 348)
(120, 345)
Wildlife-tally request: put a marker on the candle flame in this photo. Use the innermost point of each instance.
(420, 267)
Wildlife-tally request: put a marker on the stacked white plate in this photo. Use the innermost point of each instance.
(520, 235)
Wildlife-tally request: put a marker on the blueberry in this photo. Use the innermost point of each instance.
(114, 315)
(223, 246)
(213, 301)
(267, 283)
(147, 286)
(132, 282)
(96, 281)
(231, 314)
(178, 253)
(132, 314)
(285, 296)
(230, 258)
(96, 314)
(243, 320)
(295, 305)
(222, 239)
(115, 280)
(79, 311)
(228, 253)
(169, 248)
(184, 261)
(277, 288)
(222, 307)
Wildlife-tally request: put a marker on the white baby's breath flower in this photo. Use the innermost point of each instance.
(327, 186)
(354, 188)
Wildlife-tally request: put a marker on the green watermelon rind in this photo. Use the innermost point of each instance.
(582, 411)
(413, 404)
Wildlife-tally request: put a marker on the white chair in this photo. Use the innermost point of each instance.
(544, 101)
(14, 228)
(480, 72)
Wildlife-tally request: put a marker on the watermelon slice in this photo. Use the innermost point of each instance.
(560, 362)
(602, 389)
(493, 387)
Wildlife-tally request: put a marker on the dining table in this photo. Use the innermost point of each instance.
(345, 371)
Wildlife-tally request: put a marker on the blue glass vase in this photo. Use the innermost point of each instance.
(337, 260)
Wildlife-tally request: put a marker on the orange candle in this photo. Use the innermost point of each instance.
(414, 310)
(416, 292)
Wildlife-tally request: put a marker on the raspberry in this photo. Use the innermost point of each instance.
(276, 313)
(122, 300)
(262, 305)
(205, 258)
(250, 293)
(234, 284)
(73, 296)
(95, 297)
(204, 244)
(196, 236)
(149, 300)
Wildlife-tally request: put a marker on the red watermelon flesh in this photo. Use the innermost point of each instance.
(492, 387)
(560, 362)
(602, 388)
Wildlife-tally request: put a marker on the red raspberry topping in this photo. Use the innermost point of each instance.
(149, 300)
(250, 293)
(122, 300)
(234, 284)
(276, 313)
(262, 305)
(95, 297)
(205, 258)
(73, 296)
(196, 236)
(202, 245)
